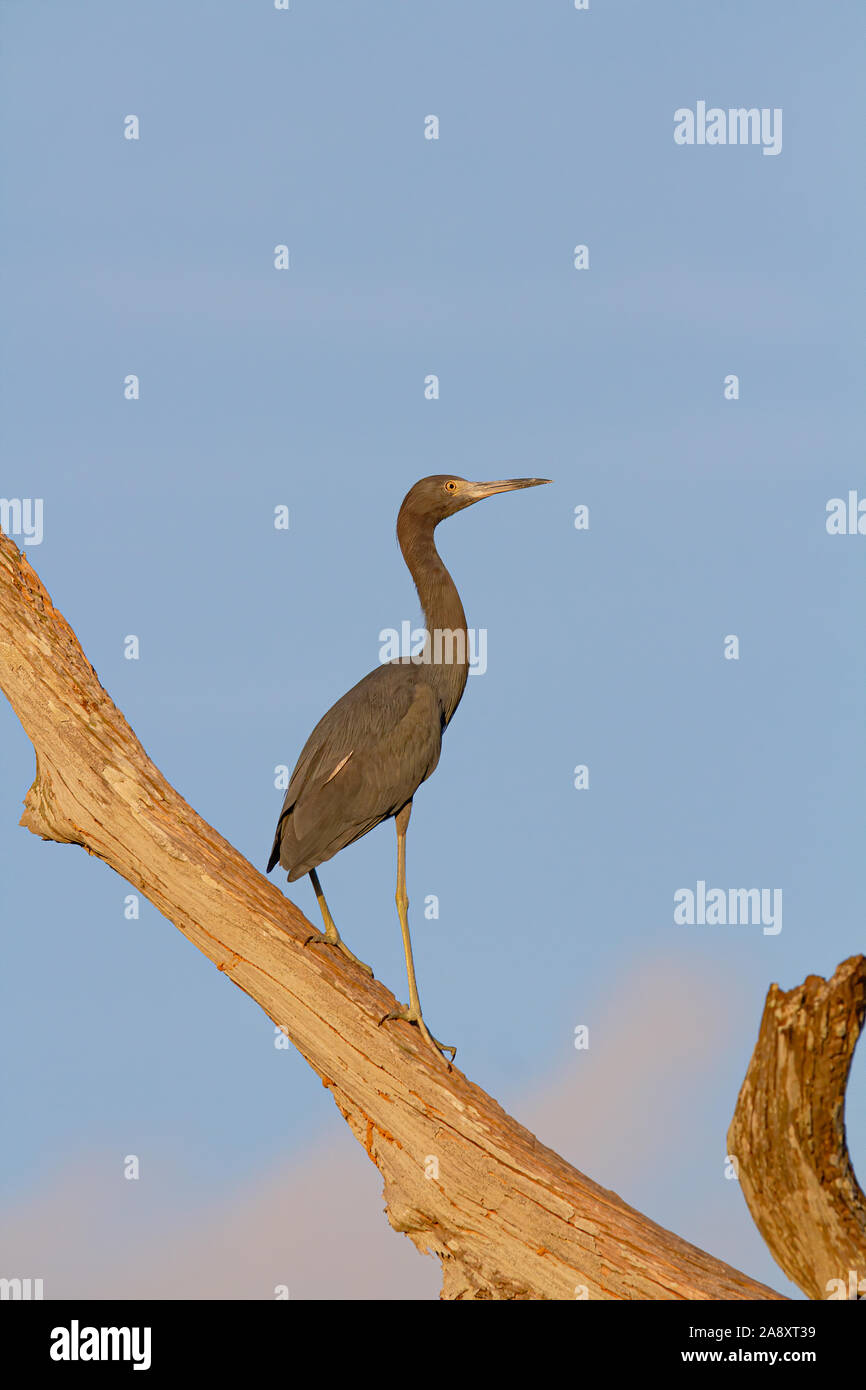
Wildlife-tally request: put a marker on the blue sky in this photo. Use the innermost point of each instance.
(605, 647)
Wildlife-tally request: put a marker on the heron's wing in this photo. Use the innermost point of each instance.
(363, 761)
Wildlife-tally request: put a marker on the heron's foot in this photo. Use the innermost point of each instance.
(409, 1015)
(333, 938)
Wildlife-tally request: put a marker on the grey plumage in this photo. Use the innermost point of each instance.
(388, 728)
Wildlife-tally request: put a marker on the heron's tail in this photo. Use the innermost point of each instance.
(278, 843)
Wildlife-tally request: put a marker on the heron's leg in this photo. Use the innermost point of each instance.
(331, 936)
(413, 1013)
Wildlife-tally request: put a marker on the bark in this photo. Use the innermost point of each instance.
(507, 1217)
(788, 1133)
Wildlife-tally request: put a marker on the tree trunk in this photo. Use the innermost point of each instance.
(788, 1133)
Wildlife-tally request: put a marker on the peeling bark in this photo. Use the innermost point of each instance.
(788, 1132)
(507, 1217)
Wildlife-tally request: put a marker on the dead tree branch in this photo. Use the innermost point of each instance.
(507, 1217)
(788, 1131)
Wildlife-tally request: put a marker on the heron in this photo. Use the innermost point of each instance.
(367, 757)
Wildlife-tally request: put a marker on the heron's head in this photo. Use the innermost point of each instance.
(433, 499)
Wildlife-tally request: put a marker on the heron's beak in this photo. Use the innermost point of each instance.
(480, 490)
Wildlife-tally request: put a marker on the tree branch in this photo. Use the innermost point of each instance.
(507, 1217)
(788, 1131)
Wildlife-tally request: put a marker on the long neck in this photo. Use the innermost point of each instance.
(446, 649)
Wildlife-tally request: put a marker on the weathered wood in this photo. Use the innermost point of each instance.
(507, 1217)
(788, 1132)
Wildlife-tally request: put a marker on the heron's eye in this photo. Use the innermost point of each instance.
(451, 486)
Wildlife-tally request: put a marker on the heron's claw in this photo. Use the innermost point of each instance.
(326, 939)
(406, 1015)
